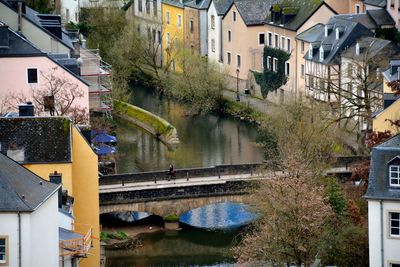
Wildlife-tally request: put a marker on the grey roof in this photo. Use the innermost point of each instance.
(349, 33)
(362, 18)
(378, 182)
(43, 139)
(391, 74)
(20, 189)
(198, 4)
(253, 12)
(64, 234)
(33, 16)
(176, 3)
(370, 47)
(305, 9)
(222, 6)
(378, 3)
(381, 17)
(18, 45)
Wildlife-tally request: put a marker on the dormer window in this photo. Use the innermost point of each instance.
(394, 175)
(321, 53)
(337, 33)
(310, 50)
(357, 49)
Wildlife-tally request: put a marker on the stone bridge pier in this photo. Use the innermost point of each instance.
(172, 206)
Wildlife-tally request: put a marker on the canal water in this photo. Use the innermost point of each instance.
(206, 140)
(209, 243)
(207, 233)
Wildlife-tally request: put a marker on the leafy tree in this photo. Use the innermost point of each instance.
(335, 196)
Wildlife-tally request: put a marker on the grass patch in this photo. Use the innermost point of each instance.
(171, 218)
(120, 235)
(160, 125)
(241, 110)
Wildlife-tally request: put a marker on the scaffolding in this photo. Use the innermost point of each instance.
(98, 74)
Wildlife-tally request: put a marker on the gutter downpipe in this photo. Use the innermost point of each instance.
(382, 248)
(19, 240)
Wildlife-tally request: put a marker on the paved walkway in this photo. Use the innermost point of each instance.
(173, 183)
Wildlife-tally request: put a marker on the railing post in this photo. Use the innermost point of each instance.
(123, 183)
(219, 173)
(187, 176)
(155, 179)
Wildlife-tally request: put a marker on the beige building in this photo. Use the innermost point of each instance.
(192, 28)
(393, 7)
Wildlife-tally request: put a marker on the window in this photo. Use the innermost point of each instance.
(148, 6)
(276, 40)
(288, 44)
(191, 26)
(282, 42)
(392, 3)
(269, 62)
(229, 35)
(234, 16)
(140, 6)
(357, 9)
(238, 61)
(349, 70)
(3, 250)
(261, 39)
(155, 10)
(166, 16)
(67, 14)
(310, 51)
(213, 45)
(302, 47)
(287, 68)
(270, 39)
(302, 71)
(153, 35)
(228, 58)
(179, 21)
(395, 265)
(168, 39)
(159, 37)
(394, 218)
(321, 53)
(394, 175)
(32, 75)
(275, 65)
(212, 22)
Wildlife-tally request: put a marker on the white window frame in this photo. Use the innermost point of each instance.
(238, 56)
(6, 253)
(355, 8)
(268, 62)
(179, 21)
(287, 68)
(229, 36)
(394, 169)
(259, 39)
(228, 57)
(167, 17)
(283, 41)
(310, 51)
(276, 38)
(234, 16)
(389, 216)
(288, 44)
(275, 64)
(27, 76)
(212, 22)
(269, 42)
(213, 45)
(321, 53)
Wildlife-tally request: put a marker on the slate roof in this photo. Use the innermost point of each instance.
(64, 234)
(32, 16)
(253, 12)
(175, 3)
(222, 6)
(198, 4)
(370, 47)
(391, 73)
(305, 9)
(378, 3)
(17, 45)
(378, 181)
(350, 32)
(20, 189)
(43, 139)
(381, 17)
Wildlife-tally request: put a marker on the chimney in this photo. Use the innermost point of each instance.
(21, 9)
(26, 110)
(357, 49)
(56, 178)
(4, 37)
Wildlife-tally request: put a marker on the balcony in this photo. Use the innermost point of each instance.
(75, 244)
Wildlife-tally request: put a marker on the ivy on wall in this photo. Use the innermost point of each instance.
(270, 80)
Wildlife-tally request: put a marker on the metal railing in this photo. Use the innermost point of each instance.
(77, 247)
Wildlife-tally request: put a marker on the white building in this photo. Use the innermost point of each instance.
(69, 11)
(383, 196)
(28, 218)
(216, 12)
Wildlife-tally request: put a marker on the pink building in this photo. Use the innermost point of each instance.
(27, 74)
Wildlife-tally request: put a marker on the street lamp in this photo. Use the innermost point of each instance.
(237, 85)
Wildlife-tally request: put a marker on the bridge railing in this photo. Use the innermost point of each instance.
(189, 173)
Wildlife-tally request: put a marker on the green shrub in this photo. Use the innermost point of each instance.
(171, 218)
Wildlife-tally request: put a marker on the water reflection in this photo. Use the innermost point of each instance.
(130, 216)
(205, 140)
(219, 216)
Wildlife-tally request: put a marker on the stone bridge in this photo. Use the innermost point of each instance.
(153, 192)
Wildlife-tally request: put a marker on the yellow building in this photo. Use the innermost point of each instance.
(391, 109)
(173, 32)
(49, 145)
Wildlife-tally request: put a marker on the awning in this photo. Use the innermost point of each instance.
(104, 138)
(105, 149)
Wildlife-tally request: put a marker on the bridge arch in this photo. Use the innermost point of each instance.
(172, 206)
